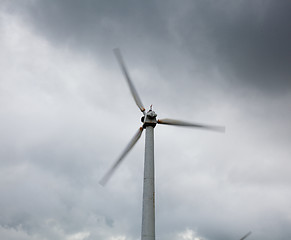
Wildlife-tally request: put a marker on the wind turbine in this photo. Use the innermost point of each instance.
(149, 121)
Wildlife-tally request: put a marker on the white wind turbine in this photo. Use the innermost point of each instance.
(149, 122)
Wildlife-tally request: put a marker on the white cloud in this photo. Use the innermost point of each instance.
(189, 234)
(16, 234)
(118, 238)
(78, 236)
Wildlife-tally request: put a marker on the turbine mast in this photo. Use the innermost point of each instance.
(148, 206)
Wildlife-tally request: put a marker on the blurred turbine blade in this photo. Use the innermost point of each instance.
(130, 145)
(245, 236)
(188, 124)
(126, 75)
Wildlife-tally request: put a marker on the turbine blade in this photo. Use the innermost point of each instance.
(245, 236)
(130, 145)
(188, 124)
(126, 75)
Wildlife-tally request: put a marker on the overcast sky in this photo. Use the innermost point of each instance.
(66, 114)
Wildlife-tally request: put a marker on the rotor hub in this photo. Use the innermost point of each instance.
(149, 119)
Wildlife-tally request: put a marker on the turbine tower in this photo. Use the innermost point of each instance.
(149, 121)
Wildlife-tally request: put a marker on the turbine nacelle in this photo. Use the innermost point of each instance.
(149, 119)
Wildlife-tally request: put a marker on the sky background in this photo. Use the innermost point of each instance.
(66, 114)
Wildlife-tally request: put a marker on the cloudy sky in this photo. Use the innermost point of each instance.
(66, 114)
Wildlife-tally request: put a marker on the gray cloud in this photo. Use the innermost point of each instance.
(66, 112)
(249, 40)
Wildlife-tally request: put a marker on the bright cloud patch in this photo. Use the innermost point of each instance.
(189, 234)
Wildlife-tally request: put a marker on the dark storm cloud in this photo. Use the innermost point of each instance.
(94, 25)
(59, 140)
(249, 41)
